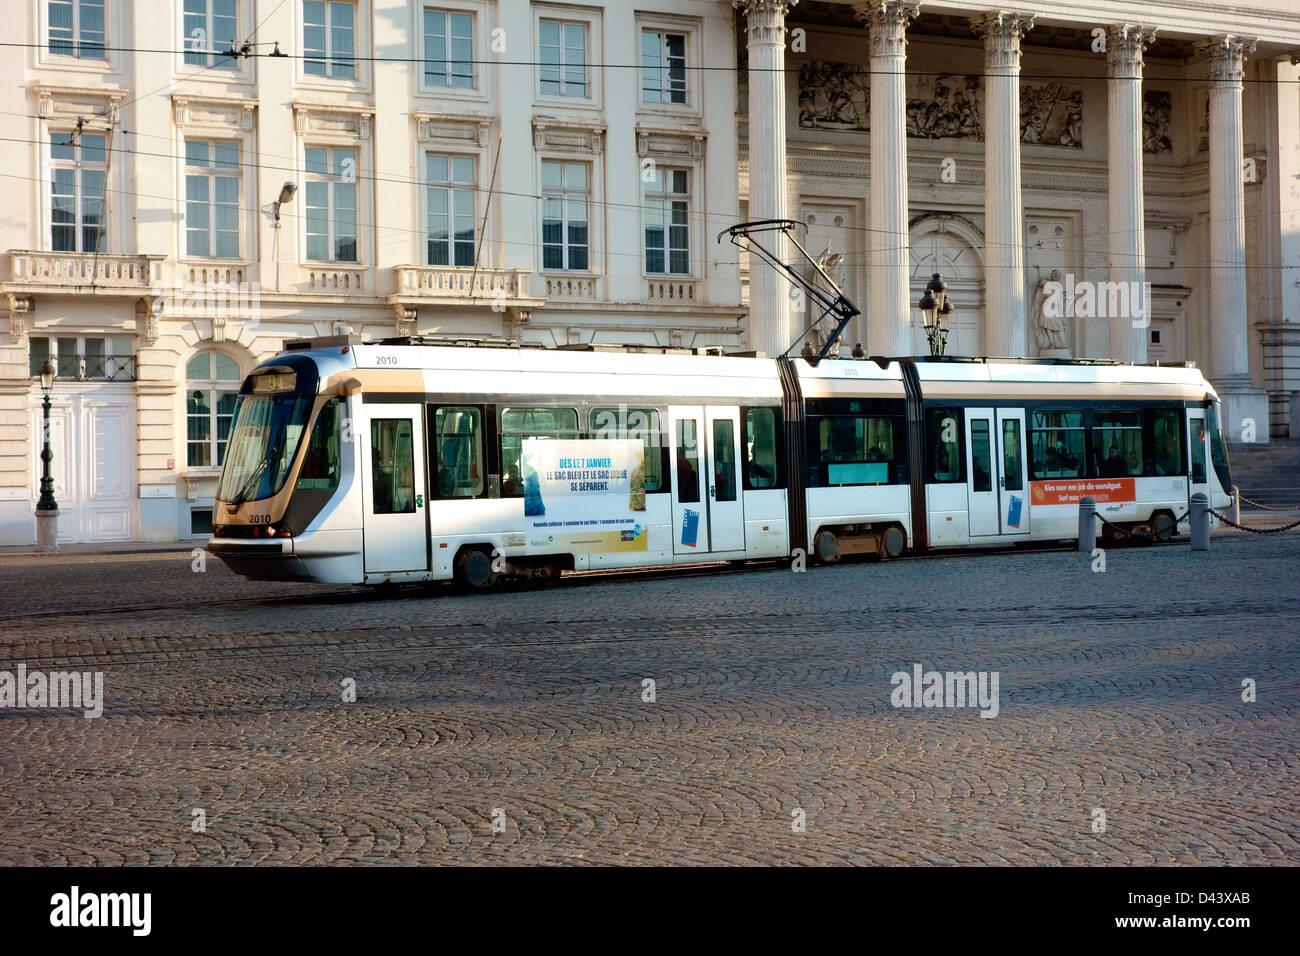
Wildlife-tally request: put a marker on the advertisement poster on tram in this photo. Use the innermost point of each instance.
(584, 496)
(1069, 491)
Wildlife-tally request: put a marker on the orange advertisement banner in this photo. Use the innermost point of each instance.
(1068, 491)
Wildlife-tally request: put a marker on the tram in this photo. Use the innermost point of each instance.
(403, 460)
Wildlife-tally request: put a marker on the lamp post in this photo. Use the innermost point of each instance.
(47, 509)
(936, 313)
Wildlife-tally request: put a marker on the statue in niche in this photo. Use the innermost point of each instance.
(1049, 324)
(1157, 109)
(832, 263)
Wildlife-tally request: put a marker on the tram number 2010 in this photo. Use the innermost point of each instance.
(259, 519)
(385, 359)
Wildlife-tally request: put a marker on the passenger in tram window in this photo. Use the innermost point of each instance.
(687, 488)
(943, 470)
(446, 480)
(1167, 457)
(1114, 466)
(510, 486)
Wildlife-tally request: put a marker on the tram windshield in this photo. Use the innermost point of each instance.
(263, 439)
(1218, 448)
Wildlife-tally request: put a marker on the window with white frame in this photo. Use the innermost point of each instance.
(105, 358)
(449, 198)
(329, 30)
(331, 185)
(78, 170)
(667, 222)
(212, 178)
(566, 230)
(211, 385)
(448, 48)
(663, 67)
(211, 26)
(562, 56)
(76, 28)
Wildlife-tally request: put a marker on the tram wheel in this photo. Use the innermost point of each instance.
(827, 547)
(1162, 525)
(474, 569)
(893, 542)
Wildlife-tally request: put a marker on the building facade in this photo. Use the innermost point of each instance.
(190, 183)
(461, 169)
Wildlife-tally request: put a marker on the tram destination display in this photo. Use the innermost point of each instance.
(584, 496)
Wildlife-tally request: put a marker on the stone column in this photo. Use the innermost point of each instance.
(890, 317)
(769, 293)
(1004, 256)
(1126, 245)
(1229, 346)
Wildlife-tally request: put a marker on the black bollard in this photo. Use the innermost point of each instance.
(1087, 525)
(1200, 522)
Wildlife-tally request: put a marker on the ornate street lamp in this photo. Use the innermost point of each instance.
(47, 509)
(936, 313)
(47, 502)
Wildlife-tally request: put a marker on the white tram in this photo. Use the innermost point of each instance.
(400, 461)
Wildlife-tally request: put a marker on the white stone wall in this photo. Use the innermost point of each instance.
(272, 108)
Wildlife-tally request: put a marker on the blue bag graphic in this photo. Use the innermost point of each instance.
(1013, 512)
(690, 527)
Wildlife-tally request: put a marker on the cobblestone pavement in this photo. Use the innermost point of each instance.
(1118, 690)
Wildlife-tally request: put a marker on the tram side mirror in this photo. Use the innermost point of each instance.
(351, 387)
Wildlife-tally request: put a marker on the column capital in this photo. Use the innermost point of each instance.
(1226, 55)
(1125, 44)
(1001, 30)
(886, 22)
(764, 19)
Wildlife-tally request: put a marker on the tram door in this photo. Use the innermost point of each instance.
(982, 474)
(707, 509)
(1197, 440)
(997, 472)
(396, 536)
(1013, 512)
(726, 513)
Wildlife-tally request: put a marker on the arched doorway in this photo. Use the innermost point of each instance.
(949, 244)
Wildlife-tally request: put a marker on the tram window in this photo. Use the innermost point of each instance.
(1218, 450)
(634, 423)
(855, 450)
(724, 460)
(1117, 444)
(762, 464)
(1011, 456)
(458, 443)
(392, 466)
(943, 442)
(1166, 429)
(1057, 442)
(688, 461)
(520, 423)
(981, 456)
(320, 463)
(1198, 451)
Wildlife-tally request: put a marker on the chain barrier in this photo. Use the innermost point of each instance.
(1255, 504)
(1242, 527)
(1126, 533)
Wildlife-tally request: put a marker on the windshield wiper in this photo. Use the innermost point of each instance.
(255, 478)
(248, 486)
